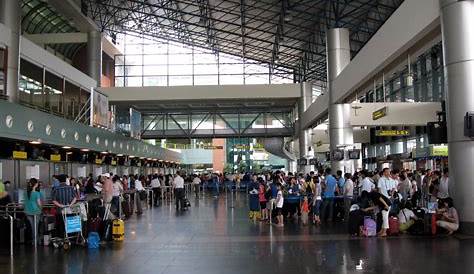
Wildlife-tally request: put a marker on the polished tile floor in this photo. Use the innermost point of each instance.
(215, 236)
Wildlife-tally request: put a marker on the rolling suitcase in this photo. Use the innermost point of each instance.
(393, 226)
(118, 230)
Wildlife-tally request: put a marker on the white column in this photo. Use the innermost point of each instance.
(457, 21)
(10, 16)
(340, 130)
(304, 138)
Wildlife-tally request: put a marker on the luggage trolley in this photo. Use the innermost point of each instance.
(72, 228)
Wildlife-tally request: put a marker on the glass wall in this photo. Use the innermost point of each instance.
(47, 91)
(163, 63)
(422, 82)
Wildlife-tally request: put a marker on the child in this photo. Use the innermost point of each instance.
(304, 210)
(279, 206)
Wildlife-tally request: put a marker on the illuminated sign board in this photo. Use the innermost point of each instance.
(379, 113)
(391, 133)
(20, 155)
(55, 157)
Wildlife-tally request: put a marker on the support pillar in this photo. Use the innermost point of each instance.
(94, 56)
(340, 130)
(10, 16)
(305, 145)
(458, 47)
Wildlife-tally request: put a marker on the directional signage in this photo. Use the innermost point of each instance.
(392, 133)
(379, 113)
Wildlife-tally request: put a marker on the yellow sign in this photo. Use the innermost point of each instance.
(114, 163)
(319, 143)
(213, 147)
(98, 161)
(379, 113)
(392, 133)
(20, 155)
(439, 151)
(55, 157)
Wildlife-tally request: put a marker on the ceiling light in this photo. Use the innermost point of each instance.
(85, 150)
(35, 142)
(104, 152)
(131, 156)
(119, 155)
(69, 152)
(160, 160)
(66, 147)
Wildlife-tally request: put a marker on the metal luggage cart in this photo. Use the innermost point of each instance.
(72, 229)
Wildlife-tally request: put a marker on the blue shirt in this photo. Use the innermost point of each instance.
(330, 187)
(341, 182)
(274, 190)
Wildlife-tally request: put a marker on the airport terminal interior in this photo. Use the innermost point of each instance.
(236, 136)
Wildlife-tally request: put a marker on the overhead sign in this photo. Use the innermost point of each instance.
(392, 133)
(379, 113)
(439, 151)
(98, 161)
(55, 157)
(20, 155)
(313, 162)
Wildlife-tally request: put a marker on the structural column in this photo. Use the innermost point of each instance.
(305, 145)
(457, 23)
(340, 130)
(10, 16)
(94, 56)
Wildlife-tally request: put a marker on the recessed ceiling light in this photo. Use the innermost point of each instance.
(104, 152)
(119, 155)
(66, 147)
(85, 150)
(131, 156)
(35, 142)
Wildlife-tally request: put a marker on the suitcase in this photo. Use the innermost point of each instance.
(19, 229)
(429, 224)
(187, 203)
(93, 240)
(107, 231)
(94, 225)
(118, 230)
(393, 226)
(4, 232)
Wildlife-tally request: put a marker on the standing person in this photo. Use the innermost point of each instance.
(330, 185)
(155, 186)
(443, 191)
(385, 183)
(139, 189)
(107, 188)
(340, 180)
(317, 200)
(348, 194)
(62, 196)
(272, 198)
(178, 186)
(262, 199)
(32, 205)
(196, 184)
(404, 186)
(117, 190)
(279, 206)
(304, 207)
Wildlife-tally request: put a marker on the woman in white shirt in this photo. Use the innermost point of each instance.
(155, 186)
(279, 206)
(117, 189)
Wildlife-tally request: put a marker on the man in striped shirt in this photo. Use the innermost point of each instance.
(63, 195)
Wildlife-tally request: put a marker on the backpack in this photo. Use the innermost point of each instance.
(370, 227)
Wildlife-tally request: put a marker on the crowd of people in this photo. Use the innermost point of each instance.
(327, 196)
(274, 197)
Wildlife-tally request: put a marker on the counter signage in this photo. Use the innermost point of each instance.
(98, 161)
(20, 155)
(55, 157)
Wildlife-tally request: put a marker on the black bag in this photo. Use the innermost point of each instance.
(4, 231)
(187, 203)
(356, 220)
(379, 221)
(142, 195)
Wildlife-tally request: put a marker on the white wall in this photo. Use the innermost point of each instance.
(196, 156)
(202, 92)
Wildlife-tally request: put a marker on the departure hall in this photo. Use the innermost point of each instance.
(236, 136)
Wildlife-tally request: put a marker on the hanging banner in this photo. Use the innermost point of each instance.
(101, 109)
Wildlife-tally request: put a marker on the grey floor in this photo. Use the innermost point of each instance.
(215, 236)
